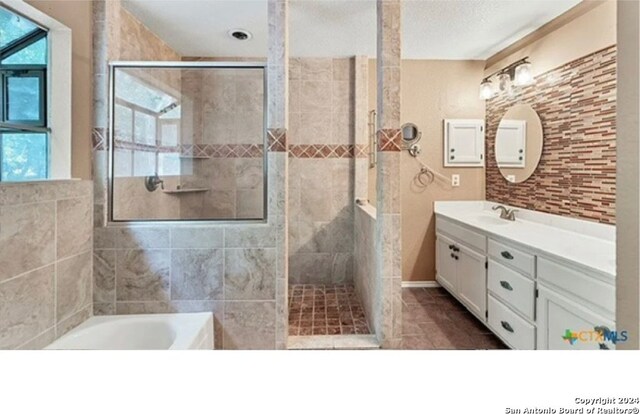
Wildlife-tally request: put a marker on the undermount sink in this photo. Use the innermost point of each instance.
(491, 220)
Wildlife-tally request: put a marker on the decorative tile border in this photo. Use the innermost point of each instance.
(277, 140)
(99, 139)
(223, 151)
(197, 150)
(136, 146)
(577, 172)
(328, 151)
(390, 140)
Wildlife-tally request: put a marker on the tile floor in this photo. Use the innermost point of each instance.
(433, 319)
(325, 310)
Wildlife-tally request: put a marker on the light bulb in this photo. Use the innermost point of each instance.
(504, 83)
(523, 75)
(486, 89)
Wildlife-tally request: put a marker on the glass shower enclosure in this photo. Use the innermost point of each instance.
(188, 141)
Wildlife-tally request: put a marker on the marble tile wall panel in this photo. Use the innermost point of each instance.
(45, 260)
(182, 268)
(361, 126)
(388, 220)
(322, 150)
(577, 172)
(364, 275)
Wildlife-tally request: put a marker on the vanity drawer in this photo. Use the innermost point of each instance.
(514, 330)
(514, 289)
(469, 237)
(513, 257)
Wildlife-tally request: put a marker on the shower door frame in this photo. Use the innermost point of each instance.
(113, 66)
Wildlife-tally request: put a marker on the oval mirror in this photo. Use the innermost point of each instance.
(410, 134)
(519, 143)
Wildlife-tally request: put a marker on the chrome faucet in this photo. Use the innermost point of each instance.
(506, 213)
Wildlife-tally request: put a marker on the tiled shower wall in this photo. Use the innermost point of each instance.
(45, 261)
(223, 119)
(238, 271)
(321, 170)
(367, 284)
(577, 172)
(217, 147)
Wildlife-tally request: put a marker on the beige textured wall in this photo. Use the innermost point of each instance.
(592, 31)
(628, 174)
(77, 16)
(432, 91)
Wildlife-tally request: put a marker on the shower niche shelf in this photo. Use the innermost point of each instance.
(178, 191)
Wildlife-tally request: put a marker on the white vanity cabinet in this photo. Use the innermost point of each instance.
(472, 280)
(461, 267)
(511, 290)
(570, 302)
(517, 279)
(560, 318)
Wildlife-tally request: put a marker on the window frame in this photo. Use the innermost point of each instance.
(11, 71)
(24, 71)
(58, 83)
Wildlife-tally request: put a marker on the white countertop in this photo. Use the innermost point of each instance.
(581, 242)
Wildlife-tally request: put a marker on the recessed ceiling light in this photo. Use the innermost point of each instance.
(240, 34)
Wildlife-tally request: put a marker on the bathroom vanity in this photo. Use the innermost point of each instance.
(539, 282)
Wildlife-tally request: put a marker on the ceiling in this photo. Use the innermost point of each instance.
(432, 29)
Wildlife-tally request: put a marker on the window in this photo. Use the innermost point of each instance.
(146, 127)
(24, 129)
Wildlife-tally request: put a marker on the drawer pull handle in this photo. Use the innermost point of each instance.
(507, 255)
(506, 326)
(506, 285)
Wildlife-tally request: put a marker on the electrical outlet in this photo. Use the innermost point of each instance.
(455, 180)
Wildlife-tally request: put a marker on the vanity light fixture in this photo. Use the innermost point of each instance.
(486, 89)
(504, 82)
(518, 73)
(523, 75)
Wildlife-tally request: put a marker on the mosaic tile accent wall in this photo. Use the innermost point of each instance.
(577, 172)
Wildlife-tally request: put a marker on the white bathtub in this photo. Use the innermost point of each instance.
(170, 331)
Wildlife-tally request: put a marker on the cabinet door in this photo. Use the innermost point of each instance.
(511, 143)
(446, 264)
(563, 324)
(472, 280)
(464, 143)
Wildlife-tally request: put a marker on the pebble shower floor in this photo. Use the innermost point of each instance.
(325, 310)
